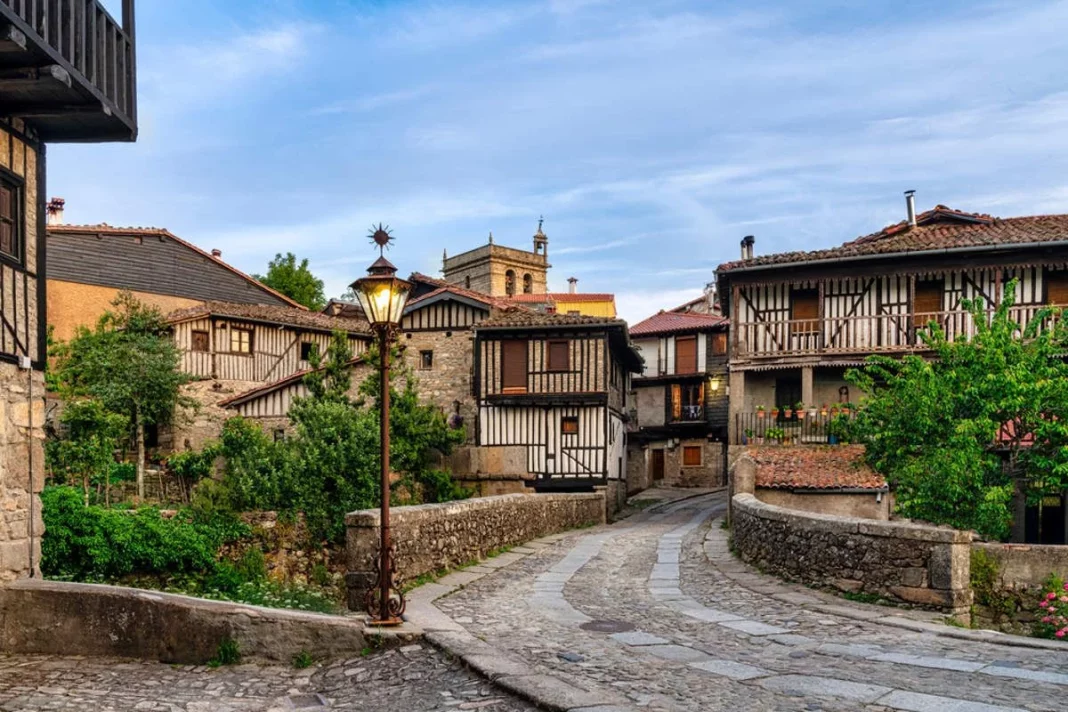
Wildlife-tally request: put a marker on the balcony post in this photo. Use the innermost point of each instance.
(808, 389)
(129, 26)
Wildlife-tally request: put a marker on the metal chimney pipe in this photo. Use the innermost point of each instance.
(910, 204)
(747, 247)
(572, 285)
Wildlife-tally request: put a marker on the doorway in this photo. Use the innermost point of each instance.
(658, 465)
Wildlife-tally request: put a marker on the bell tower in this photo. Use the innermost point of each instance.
(541, 240)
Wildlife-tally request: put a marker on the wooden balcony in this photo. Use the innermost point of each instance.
(853, 335)
(69, 69)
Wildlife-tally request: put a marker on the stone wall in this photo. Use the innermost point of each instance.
(432, 537)
(449, 379)
(21, 470)
(865, 505)
(194, 427)
(922, 565)
(59, 618)
(1026, 566)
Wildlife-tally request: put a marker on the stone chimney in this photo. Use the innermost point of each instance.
(572, 285)
(216, 253)
(55, 211)
(747, 247)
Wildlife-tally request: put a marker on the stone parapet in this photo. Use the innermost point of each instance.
(913, 563)
(431, 537)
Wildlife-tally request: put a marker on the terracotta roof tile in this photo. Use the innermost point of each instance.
(279, 315)
(814, 467)
(564, 297)
(938, 229)
(517, 318)
(445, 287)
(674, 322)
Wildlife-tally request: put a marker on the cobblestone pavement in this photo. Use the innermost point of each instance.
(415, 678)
(656, 609)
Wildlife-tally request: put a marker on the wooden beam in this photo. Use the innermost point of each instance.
(42, 110)
(26, 77)
(12, 40)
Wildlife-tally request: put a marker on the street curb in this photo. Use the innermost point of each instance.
(838, 606)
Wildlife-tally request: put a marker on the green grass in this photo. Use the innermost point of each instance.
(303, 660)
(228, 653)
(861, 597)
(432, 576)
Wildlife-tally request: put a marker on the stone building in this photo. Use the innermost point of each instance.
(501, 271)
(88, 265)
(678, 432)
(46, 96)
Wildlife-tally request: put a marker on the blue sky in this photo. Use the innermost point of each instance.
(652, 135)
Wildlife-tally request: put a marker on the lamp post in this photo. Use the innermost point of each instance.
(383, 296)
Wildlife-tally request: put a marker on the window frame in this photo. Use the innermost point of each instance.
(700, 455)
(306, 348)
(719, 343)
(503, 360)
(17, 185)
(551, 364)
(251, 342)
(193, 341)
(808, 324)
(423, 365)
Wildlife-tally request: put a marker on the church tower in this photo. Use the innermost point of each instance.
(502, 271)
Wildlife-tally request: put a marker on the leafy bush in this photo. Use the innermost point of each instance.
(95, 543)
(1053, 610)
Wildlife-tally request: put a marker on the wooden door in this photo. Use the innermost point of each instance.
(658, 465)
(686, 354)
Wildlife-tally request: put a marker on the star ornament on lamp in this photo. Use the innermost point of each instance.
(381, 293)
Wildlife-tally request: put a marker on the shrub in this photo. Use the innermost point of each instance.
(1053, 610)
(94, 543)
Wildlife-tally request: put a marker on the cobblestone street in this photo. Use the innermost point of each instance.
(412, 679)
(651, 609)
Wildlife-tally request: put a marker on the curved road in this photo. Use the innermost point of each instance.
(656, 610)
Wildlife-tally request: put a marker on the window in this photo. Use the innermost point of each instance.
(686, 354)
(559, 356)
(719, 344)
(201, 342)
(240, 341)
(928, 301)
(509, 283)
(805, 311)
(687, 401)
(279, 435)
(691, 456)
(528, 284)
(306, 348)
(10, 218)
(569, 426)
(1057, 288)
(426, 360)
(514, 366)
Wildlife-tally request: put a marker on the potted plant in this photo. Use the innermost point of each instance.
(747, 436)
(760, 411)
(800, 409)
(787, 412)
(775, 412)
(823, 409)
(775, 435)
(834, 411)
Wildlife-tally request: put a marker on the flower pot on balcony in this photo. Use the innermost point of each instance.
(787, 413)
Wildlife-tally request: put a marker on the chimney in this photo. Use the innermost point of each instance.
(910, 205)
(55, 211)
(747, 247)
(572, 285)
(216, 253)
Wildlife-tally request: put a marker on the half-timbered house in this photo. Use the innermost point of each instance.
(557, 386)
(679, 429)
(67, 73)
(235, 351)
(800, 319)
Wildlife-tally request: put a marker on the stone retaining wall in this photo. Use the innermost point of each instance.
(432, 537)
(58, 618)
(913, 563)
(1026, 566)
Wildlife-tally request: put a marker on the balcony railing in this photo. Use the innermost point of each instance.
(810, 427)
(855, 334)
(82, 39)
(690, 414)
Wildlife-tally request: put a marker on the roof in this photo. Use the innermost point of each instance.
(266, 388)
(441, 287)
(941, 228)
(518, 318)
(195, 282)
(562, 297)
(814, 467)
(675, 322)
(275, 315)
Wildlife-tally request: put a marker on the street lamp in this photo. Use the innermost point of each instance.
(383, 296)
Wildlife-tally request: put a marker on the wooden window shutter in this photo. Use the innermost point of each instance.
(200, 341)
(719, 344)
(514, 366)
(676, 401)
(559, 356)
(1057, 288)
(7, 220)
(928, 301)
(686, 354)
(805, 311)
(691, 456)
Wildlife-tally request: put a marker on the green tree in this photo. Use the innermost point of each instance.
(294, 280)
(89, 437)
(130, 363)
(953, 433)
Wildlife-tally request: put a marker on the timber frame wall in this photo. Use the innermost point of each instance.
(571, 421)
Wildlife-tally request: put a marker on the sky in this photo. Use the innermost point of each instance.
(651, 135)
